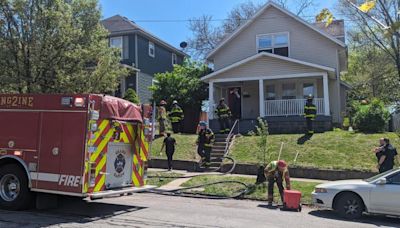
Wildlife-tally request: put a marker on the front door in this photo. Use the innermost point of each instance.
(235, 102)
(48, 172)
(386, 198)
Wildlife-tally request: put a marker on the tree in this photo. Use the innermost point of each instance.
(182, 84)
(206, 36)
(130, 95)
(370, 71)
(55, 46)
(379, 22)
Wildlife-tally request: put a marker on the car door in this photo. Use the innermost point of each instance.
(386, 198)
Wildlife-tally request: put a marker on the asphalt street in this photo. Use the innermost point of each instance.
(149, 210)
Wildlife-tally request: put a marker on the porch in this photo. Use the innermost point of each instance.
(273, 97)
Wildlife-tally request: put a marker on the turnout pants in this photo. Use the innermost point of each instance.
(224, 126)
(176, 127)
(207, 151)
(200, 151)
(277, 178)
(310, 126)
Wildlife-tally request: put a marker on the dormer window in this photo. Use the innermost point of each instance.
(276, 43)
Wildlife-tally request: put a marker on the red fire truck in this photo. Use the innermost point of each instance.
(79, 145)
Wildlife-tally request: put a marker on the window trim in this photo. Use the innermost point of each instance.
(174, 56)
(152, 44)
(122, 44)
(314, 85)
(258, 36)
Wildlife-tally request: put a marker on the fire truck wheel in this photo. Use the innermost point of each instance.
(14, 188)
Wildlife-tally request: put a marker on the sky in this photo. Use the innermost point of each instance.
(155, 15)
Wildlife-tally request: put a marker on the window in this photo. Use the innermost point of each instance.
(289, 91)
(174, 59)
(394, 179)
(152, 49)
(271, 94)
(274, 43)
(308, 88)
(116, 42)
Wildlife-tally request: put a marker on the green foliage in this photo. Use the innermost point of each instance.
(130, 95)
(182, 84)
(262, 131)
(346, 123)
(55, 46)
(371, 118)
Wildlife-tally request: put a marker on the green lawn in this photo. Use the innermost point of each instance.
(185, 149)
(330, 150)
(258, 193)
(161, 178)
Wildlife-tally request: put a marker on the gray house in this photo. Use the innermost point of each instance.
(276, 59)
(141, 51)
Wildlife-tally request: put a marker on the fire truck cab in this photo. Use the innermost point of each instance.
(84, 145)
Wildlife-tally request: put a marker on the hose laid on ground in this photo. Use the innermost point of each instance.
(179, 192)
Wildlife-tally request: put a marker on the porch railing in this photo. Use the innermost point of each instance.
(291, 107)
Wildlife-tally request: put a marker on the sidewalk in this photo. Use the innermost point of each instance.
(176, 184)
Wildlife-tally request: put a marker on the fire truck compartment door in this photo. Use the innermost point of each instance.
(119, 165)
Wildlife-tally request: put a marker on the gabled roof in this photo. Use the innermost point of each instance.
(119, 25)
(285, 11)
(266, 54)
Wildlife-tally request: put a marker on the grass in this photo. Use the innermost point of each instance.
(330, 150)
(185, 149)
(158, 178)
(258, 193)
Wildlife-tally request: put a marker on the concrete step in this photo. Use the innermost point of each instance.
(219, 147)
(217, 151)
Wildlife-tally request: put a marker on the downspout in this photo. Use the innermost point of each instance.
(339, 104)
(137, 64)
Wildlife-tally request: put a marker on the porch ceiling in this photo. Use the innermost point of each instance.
(264, 65)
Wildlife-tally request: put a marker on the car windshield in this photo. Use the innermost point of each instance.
(374, 178)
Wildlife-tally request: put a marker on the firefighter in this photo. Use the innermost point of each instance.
(162, 116)
(176, 117)
(223, 113)
(277, 172)
(209, 139)
(310, 112)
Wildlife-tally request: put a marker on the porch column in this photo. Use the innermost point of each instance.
(211, 100)
(261, 96)
(326, 95)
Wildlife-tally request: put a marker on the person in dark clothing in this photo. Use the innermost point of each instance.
(224, 113)
(310, 112)
(386, 155)
(235, 98)
(169, 144)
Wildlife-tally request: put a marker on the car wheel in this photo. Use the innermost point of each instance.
(14, 189)
(350, 206)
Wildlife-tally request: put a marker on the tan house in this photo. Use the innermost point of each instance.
(276, 59)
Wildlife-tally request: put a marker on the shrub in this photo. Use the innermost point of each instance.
(371, 118)
(130, 95)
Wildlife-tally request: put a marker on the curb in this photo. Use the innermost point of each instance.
(249, 169)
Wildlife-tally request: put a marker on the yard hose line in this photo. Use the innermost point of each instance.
(208, 172)
(181, 192)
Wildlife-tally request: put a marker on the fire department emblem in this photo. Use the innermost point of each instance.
(119, 164)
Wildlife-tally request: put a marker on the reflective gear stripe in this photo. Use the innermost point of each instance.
(310, 107)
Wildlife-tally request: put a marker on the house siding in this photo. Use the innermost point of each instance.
(145, 81)
(304, 43)
(266, 66)
(160, 63)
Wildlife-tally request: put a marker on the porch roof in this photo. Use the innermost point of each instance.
(256, 66)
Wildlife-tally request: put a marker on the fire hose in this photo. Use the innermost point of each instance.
(182, 192)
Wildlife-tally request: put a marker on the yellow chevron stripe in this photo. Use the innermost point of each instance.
(101, 146)
(100, 130)
(101, 164)
(100, 183)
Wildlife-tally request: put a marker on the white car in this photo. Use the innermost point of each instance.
(351, 198)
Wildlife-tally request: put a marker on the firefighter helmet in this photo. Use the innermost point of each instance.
(310, 97)
(163, 102)
(175, 102)
(222, 99)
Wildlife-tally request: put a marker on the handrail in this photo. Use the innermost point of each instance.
(228, 139)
